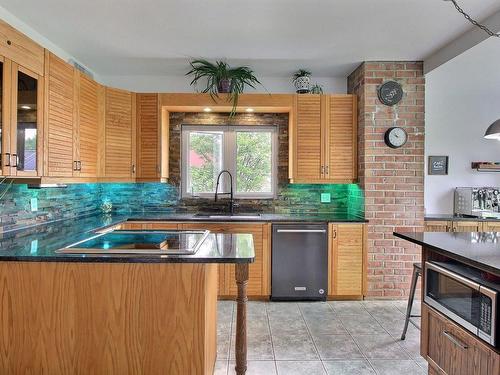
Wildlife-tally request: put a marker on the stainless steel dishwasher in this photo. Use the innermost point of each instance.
(299, 262)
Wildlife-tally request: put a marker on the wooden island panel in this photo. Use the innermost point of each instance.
(107, 318)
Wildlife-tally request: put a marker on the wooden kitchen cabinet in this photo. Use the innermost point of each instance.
(72, 120)
(19, 48)
(467, 226)
(259, 282)
(144, 225)
(451, 350)
(347, 260)
(148, 137)
(119, 136)
(438, 226)
(490, 226)
(323, 139)
(22, 120)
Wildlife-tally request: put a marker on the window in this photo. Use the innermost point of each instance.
(249, 153)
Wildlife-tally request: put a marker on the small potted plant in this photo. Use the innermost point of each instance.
(316, 89)
(222, 79)
(302, 81)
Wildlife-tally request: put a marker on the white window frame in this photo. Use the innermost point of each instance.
(229, 163)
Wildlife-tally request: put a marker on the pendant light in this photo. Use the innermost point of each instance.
(493, 131)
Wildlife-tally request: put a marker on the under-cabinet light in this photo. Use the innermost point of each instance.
(249, 109)
(206, 109)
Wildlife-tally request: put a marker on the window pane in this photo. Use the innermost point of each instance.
(204, 161)
(254, 162)
(26, 122)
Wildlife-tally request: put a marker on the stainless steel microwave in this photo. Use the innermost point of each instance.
(460, 294)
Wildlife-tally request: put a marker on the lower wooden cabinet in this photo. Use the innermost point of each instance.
(259, 282)
(453, 351)
(462, 226)
(347, 260)
(467, 226)
(143, 225)
(438, 226)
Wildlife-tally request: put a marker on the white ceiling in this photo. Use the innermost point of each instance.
(275, 37)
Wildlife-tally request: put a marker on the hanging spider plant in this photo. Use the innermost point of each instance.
(222, 79)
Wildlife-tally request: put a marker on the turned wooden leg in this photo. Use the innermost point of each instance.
(241, 318)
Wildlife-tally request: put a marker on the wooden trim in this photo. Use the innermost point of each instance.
(331, 290)
(164, 144)
(266, 255)
(76, 119)
(355, 137)
(325, 134)
(134, 136)
(365, 260)
(6, 115)
(101, 145)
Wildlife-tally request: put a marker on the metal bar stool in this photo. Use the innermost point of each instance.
(417, 271)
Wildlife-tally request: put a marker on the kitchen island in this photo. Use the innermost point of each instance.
(116, 313)
(460, 309)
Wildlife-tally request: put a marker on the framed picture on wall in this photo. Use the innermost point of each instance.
(438, 165)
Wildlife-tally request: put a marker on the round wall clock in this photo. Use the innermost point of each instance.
(390, 93)
(395, 137)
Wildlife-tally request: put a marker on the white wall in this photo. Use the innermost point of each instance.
(462, 99)
(152, 83)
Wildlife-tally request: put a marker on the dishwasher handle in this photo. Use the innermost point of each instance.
(301, 230)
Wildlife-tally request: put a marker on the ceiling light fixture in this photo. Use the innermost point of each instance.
(25, 107)
(493, 131)
(206, 109)
(249, 110)
(473, 21)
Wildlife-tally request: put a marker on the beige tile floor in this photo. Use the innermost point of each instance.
(341, 337)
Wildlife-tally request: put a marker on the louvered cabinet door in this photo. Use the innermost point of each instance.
(341, 138)
(118, 134)
(148, 137)
(308, 141)
(88, 126)
(59, 134)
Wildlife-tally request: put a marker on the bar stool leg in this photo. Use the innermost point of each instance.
(411, 297)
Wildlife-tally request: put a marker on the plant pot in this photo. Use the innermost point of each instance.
(224, 86)
(302, 84)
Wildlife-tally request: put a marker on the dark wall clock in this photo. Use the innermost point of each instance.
(395, 137)
(390, 93)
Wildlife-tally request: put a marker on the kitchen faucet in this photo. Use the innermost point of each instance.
(231, 200)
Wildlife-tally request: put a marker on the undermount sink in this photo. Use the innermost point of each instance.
(229, 216)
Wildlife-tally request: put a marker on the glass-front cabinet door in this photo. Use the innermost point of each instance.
(26, 121)
(5, 79)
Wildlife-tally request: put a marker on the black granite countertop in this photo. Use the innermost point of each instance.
(451, 217)
(480, 250)
(39, 244)
(240, 217)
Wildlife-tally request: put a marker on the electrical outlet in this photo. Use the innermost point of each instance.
(34, 204)
(326, 198)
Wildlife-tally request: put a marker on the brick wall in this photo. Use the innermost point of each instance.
(393, 179)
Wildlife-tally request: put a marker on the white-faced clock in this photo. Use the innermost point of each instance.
(395, 137)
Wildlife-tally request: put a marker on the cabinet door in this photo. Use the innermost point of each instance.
(454, 350)
(490, 226)
(259, 271)
(466, 226)
(119, 134)
(26, 122)
(60, 118)
(154, 225)
(148, 137)
(346, 259)
(341, 163)
(307, 139)
(438, 226)
(89, 102)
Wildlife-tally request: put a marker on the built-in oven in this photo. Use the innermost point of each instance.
(463, 295)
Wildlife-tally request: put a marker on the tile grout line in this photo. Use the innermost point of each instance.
(312, 339)
(271, 335)
(354, 341)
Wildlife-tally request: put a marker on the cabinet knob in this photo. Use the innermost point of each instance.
(9, 42)
(326, 170)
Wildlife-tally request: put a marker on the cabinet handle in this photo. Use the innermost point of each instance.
(75, 165)
(9, 42)
(322, 170)
(16, 158)
(133, 168)
(326, 170)
(334, 233)
(454, 340)
(79, 163)
(7, 159)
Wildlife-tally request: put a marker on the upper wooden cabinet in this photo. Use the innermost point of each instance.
(119, 135)
(74, 103)
(21, 49)
(21, 120)
(323, 139)
(60, 123)
(148, 137)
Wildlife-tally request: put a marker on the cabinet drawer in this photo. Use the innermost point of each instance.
(141, 225)
(453, 350)
(21, 49)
